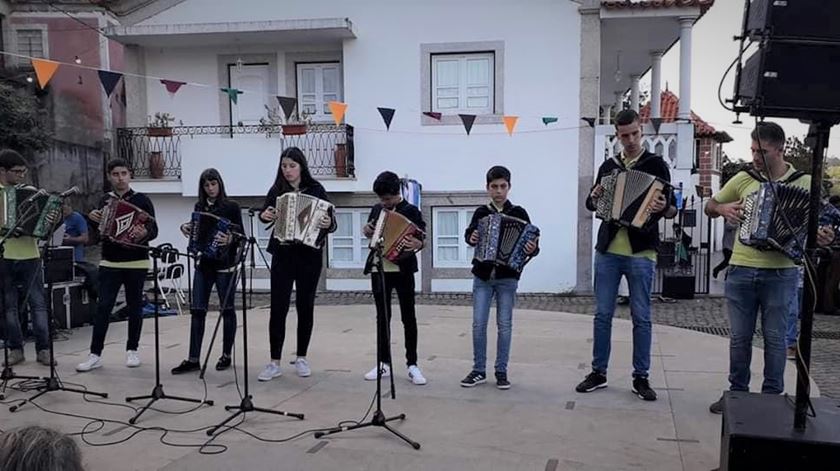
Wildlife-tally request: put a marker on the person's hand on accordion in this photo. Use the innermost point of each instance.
(596, 192)
(138, 233)
(732, 212)
(530, 246)
(413, 243)
(474, 238)
(325, 222)
(95, 215)
(223, 238)
(825, 236)
(658, 204)
(186, 228)
(268, 215)
(368, 230)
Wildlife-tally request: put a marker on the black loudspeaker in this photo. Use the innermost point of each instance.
(794, 19)
(678, 286)
(71, 305)
(59, 267)
(758, 434)
(791, 80)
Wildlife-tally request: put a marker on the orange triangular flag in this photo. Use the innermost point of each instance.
(510, 123)
(337, 109)
(44, 70)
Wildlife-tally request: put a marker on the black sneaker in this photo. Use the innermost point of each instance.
(641, 387)
(502, 381)
(223, 363)
(186, 366)
(473, 379)
(717, 407)
(623, 300)
(592, 382)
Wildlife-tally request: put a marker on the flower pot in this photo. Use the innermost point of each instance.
(340, 155)
(159, 132)
(156, 164)
(294, 129)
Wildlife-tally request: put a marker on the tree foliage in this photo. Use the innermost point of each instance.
(23, 123)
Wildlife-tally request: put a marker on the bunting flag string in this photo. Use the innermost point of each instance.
(109, 80)
(510, 123)
(172, 86)
(287, 104)
(387, 116)
(433, 115)
(232, 93)
(337, 109)
(44, 70)
(468, 120)
(548, 120)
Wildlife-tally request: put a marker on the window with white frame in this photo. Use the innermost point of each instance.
(463, 83)
(263, 235)
(30, 42)
(449, 247)
(348, 246)
(317, 85)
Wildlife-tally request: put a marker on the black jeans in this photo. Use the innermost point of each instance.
(202, 287)
(110, 280)
(404, 284)
(301, 266)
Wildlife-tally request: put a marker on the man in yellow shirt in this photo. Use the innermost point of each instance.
(21, 265)
(628, 252)
(765, 280)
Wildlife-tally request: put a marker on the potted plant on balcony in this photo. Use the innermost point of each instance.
(159, 125)
(297, 124)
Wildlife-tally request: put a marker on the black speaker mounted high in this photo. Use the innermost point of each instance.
(794, 20)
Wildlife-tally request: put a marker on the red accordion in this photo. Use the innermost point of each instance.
(119, 218)
(392, 230)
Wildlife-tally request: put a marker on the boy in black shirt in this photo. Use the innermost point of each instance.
(490, 279)
(399, 276)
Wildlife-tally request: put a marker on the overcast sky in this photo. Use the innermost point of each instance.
(713, 50)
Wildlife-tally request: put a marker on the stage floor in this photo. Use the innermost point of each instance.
(541, 423)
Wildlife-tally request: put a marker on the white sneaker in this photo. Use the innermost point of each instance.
(415, 375)
(386, 371)
(94, 361)
(302, 367)
(132, 359)
(271, 371)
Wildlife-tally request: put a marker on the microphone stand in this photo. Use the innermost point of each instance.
(382, 328)
(53, 383)
(253, 265)
(157, 392)
(246, 404)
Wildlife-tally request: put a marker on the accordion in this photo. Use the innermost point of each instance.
(778, 220)
(627, 196)
(28, 208)
(204, 227)
(297, 219)
(392, 229)
(119, 218)
(502, 239)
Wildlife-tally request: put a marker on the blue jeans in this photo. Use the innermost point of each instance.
(747, 290)
(30, 276)
(202, 287)
(793, 319)
(483, 291)
(639, 273)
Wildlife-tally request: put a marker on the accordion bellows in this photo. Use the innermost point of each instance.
(778, 220)
(204, 227)
(297, 219)
(119, 218)
(502, 239)
(30, 216)
(392, 228)
(627, 196)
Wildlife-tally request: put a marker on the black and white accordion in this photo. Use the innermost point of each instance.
(204, 227)
(778, 220)
(298, 217)
(627, 197)
(502, 239)
(27, 209)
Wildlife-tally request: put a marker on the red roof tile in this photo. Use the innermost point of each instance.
(669, 109)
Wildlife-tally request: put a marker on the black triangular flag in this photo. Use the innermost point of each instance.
(433, 114)
(589, 121)
(468, 120)
(387, 116)
(288, 104)
(109, 80)
(656, 122)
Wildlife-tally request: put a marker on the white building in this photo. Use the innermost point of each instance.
(530, 58)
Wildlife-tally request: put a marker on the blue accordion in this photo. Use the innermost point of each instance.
(502, 239)
(203, 230)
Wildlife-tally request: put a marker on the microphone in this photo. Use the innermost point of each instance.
(253, 210)
(72, 191)
(35, 195)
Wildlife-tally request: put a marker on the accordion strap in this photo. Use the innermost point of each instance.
(792, 178)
